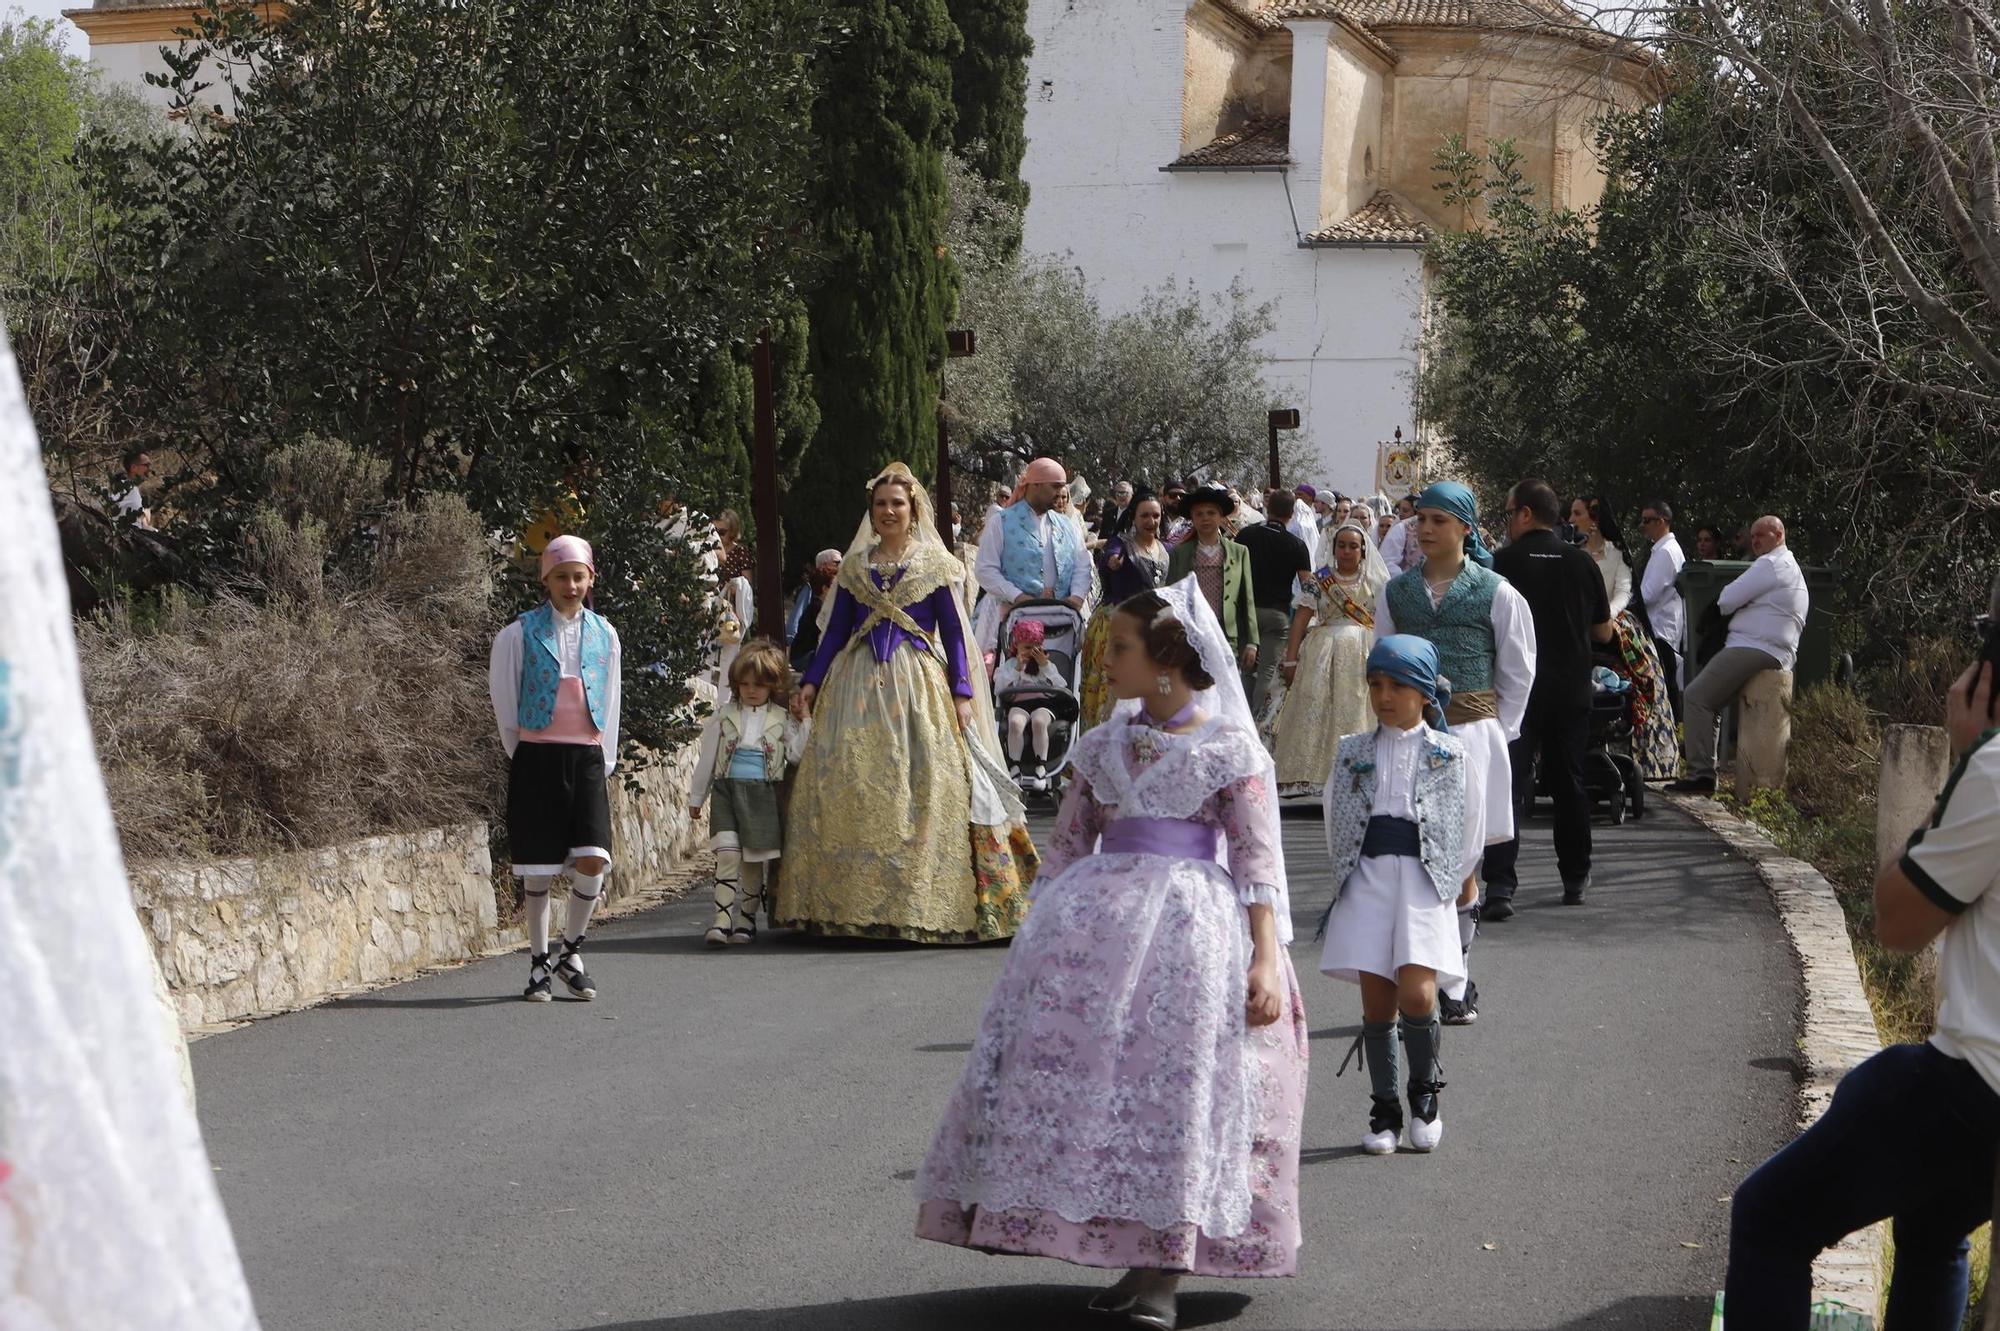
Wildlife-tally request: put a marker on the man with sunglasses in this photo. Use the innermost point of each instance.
(1666, 612)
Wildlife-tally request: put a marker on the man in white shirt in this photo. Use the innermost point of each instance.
(1912, 1132)
(1303, 524)
(1029, 553)
(1767, 606)
(1660, 593)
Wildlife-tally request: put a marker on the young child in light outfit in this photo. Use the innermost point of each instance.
(1404, 835)
(1026, 668)
(746, 749)
(554, 679)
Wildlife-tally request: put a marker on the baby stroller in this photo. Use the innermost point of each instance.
(1059, 691)
(1610, 774)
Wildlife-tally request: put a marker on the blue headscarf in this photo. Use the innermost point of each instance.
(1455, 499)
(1411, 660)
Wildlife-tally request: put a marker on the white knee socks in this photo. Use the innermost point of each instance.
(1042, 718)
(728, 875)
(583, 892)
(1017, 725)
(535, 912)
(1468, 928)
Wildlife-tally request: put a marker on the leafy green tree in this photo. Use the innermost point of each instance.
(1721, 332)
(879, 308)
(496, 250)
(989, 87)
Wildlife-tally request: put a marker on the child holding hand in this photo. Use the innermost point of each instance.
(1405, 833)
(745, 750)
(1024, 671)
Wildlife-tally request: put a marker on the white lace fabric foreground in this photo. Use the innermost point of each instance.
(109, 1217)
(1122, 1088)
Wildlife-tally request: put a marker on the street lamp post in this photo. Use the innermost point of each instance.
(1280, 418)
(959, 343)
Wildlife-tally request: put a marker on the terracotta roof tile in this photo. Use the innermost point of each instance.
(1259, 143)
(1383, 220)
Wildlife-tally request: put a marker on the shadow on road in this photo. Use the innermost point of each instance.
(1061, 1307)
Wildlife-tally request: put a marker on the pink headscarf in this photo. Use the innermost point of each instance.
(567, 550)
(1029, 632)
(1039, 472)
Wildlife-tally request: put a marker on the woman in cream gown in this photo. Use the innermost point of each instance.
(1326, 661)
(904, 822)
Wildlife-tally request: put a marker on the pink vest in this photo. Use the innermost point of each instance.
(571, 724)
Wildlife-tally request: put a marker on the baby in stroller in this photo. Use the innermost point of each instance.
(1031, 691)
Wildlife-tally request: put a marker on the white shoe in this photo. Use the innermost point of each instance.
(1425, 1136)
(1379, 1143)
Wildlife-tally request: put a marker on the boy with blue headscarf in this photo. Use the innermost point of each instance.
(1484, 633)
(1405, 830)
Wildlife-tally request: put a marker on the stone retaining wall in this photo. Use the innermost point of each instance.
(246, 937)
(239, 938)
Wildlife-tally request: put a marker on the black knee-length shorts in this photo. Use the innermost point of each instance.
(557, 806)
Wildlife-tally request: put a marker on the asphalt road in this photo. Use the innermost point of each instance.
(725, 1141)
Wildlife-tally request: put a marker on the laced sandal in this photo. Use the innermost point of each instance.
(569, 969)
(744, 932)
(538, 990)
(717, 936)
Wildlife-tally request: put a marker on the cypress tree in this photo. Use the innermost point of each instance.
(989, 87)
(887, 288)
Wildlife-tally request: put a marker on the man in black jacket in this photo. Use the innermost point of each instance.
(1277, 557)
(1565, 592)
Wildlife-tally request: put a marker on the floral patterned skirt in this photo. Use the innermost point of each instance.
(1655, 747)
(1267, 1246)
(1097, 699)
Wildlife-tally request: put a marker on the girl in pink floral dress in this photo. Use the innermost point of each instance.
(1135, 1095)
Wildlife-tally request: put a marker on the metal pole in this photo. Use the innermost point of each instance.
(764, 496)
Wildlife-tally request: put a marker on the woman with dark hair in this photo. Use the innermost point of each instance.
(1654, 746)
(1708, 543)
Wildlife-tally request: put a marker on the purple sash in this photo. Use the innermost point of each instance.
(1182, 838)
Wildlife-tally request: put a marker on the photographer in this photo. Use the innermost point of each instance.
(1911, 1134)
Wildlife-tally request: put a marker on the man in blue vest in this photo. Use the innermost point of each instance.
(1028, 552)
(1485, 636)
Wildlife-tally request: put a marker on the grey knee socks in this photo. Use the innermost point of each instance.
(1420, 1037)
(1378, 1045)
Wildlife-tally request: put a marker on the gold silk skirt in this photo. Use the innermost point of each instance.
(1328, 699)
(880, 841)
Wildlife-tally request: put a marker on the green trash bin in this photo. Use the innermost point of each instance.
(1702, 580)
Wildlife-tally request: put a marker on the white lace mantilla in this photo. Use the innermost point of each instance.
(1191, 766)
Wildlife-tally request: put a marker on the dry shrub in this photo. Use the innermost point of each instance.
(1911, 689)
(1837, 751)
(298, 708)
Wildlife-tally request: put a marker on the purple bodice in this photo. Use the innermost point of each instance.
(1177, 838)
(935, 615)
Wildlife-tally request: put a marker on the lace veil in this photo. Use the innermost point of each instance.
(109, 1215)
(1226, 700)
(995, 800)
(1374, 571)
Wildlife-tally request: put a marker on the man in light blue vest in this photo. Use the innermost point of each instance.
(1029, 553)
(1484, 633)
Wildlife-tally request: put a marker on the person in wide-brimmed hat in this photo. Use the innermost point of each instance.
(1222, 569)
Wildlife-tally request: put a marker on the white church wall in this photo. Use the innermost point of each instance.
(1104, 115)
(1353, 133)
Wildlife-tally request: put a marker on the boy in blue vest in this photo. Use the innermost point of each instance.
(1484, 633)
(554, 680)
(1405, 830)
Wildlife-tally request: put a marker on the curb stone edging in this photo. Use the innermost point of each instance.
(1838, 1028)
